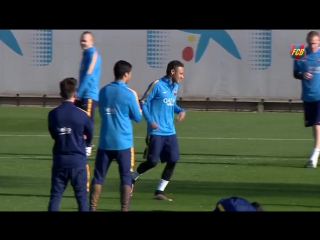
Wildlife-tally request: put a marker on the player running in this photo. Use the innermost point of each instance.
(118, 105)
(67, 125)
(308, 71)
(159, 106)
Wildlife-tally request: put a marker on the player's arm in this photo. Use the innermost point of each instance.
(88, 129)
(297, 70)
(51, 126)
(101, 100)
(85, 82)
(134, 106)
(146, 99)
(177, 109)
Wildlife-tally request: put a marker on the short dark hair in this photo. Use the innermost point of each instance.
(257, 206)
(68, 87)
(87, 32)
(312, 34)
(121, 68)
(173, 65)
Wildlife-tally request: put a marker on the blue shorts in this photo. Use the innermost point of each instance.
(311, 113)
(104, 158)
(165, 148)
(87, 105)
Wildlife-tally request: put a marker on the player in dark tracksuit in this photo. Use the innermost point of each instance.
(118, 106)
(237, 204)
(89, 78)
(68, 125)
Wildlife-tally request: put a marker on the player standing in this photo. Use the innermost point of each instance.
(308, 71)
(67, 125)
(159, 106)
(118, 105)
(88, 90)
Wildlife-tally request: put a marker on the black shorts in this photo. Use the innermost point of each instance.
(311, 113)
(165, 148)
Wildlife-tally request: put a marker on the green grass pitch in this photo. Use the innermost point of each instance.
(256, 156)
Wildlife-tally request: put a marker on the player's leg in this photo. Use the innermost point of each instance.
(79, 177)
(88, 177)
(91, 106)
(87, 105)
(155, 145)
(102, 164)
(146, 150)
(170, 156)
(125, 159)
(59, 182)
(312, 119)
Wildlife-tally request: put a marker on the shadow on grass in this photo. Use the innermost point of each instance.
(278, 194)
(235, 155)
(40, 195)
(112, 210)
(226, 189)
(179, 187)
(182, 154)
(237, 161)
(29, 195)
(288, 205)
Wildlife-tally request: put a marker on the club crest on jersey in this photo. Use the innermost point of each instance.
(175, 92)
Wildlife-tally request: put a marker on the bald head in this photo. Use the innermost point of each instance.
(86, 40)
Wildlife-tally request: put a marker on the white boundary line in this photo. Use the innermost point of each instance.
(187, 138)
(184, 157)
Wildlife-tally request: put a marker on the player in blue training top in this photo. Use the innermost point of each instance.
(68, 125)
(88, 89)
(237, 204)
(308, 71)
(118, 105)
(159, 106)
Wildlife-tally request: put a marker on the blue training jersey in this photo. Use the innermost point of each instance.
(89, 77)
(118, 105)
(234, 204)
(67, 124)
(310, 87)
(159, 104)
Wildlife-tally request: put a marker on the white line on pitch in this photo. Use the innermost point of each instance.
(187, 138)
(184, 157)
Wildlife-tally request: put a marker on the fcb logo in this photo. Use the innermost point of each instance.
(298, 52)
(175, 92)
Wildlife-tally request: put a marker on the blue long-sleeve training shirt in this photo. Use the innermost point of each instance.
(159, 105)
(234, 204)
(67, 124)
(118, 105)
(89, 77)
(310, 87)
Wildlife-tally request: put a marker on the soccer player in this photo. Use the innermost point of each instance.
(118, 105)
(237, 204)
(308, 71)
(67, 125)
(88, 90)
(159, 106)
